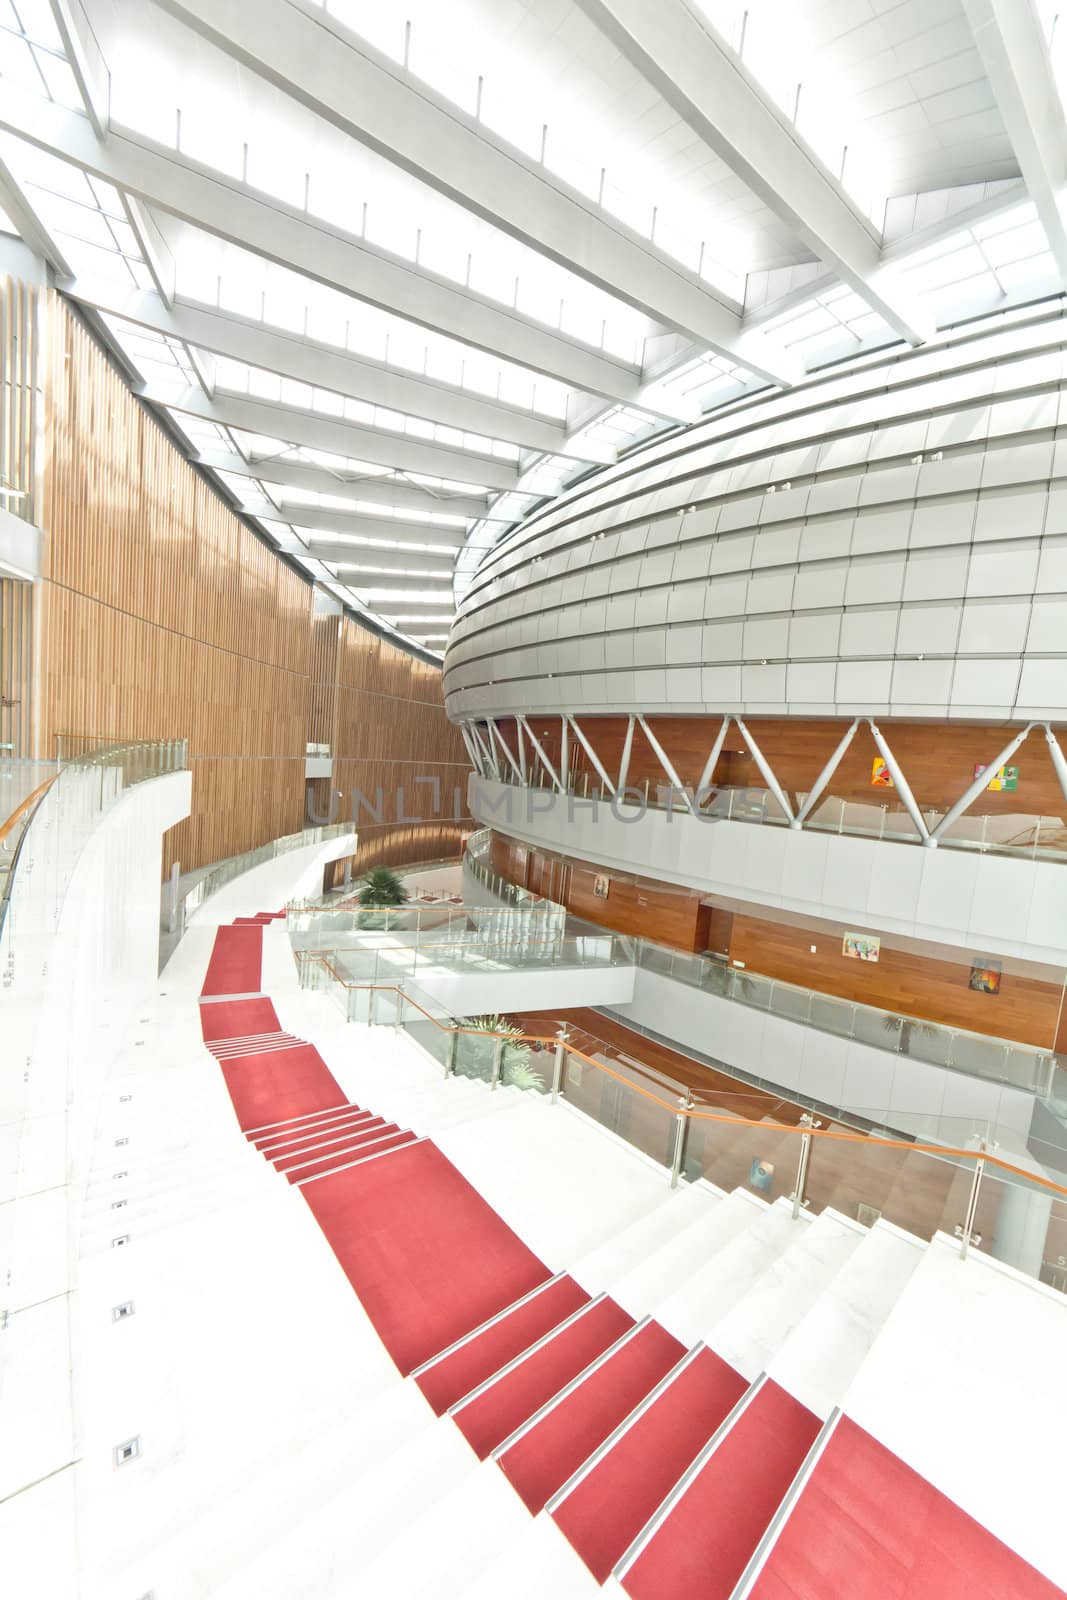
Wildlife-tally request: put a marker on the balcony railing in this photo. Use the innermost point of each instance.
(1005, 1207)
(1018, 1066)
(1016, 834)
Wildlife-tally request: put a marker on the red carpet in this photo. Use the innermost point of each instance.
(868, 1527)
(280, 1084)
(606, 1511)
(327, 1142)
(238, 1019)
(456, 1375)
(428, 1258)
(377, 1140)
(543, 1459)
(236, 962)
(705, 1543)
(293, 1136)
(488, 1421)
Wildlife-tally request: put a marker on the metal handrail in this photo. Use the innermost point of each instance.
(694, 1113)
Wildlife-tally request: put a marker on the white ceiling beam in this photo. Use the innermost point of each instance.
(86, 61)
(267, 227)
(372, 490)
(302, 50)
(318, 432)
(1014, 52)
(321, 365)
(154, 246)
(28, 223)
(448, 541)
(677, 51)
(376, 563)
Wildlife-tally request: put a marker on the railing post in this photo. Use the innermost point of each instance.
(498, 1061)
(681, 1126)
(450, 1054)
(807, 1122)
(965, 1230)
(372, 1017)
(557, 1068)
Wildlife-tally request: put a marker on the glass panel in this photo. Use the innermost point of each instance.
(1024, 1226)
(865, 1179)
(760, 1158)
(614, 1104)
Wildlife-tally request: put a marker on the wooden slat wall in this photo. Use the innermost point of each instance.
(20, 396)
(163, 616)
(16, 669)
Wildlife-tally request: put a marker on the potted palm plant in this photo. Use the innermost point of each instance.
(515, 1069)
(380, 888)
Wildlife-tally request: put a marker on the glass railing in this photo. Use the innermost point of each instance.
(1004, 1206)
(1021, 833)
(75, 791)
(1018, 1066)
(317, 927)
(23, 785)
(234, 866)
(977, 1054)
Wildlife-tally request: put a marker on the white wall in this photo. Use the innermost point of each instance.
(554, 989)
(896, 1091)
(993, 904)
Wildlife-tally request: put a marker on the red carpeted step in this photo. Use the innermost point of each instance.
(283, 1144)
(706, 1541)
(449, 1379)
(489, 1418)
(542, 1460)
(389, 1139)
(323, 1149)
(298, 1126)
(606, 1510)
(237, 1019)
(280, 1083)
(236, 962)
(869, 1527)
(428, 1258)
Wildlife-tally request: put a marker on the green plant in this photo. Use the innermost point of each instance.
(515, 1069)
(380, 888)
(906, 1029)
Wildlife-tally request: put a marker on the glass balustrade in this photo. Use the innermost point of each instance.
(1021, 833)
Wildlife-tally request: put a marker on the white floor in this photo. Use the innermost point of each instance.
(281, 1454)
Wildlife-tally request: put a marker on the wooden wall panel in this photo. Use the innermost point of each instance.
(16, 670)
(899, 981)
(21, 378)
(162, 616)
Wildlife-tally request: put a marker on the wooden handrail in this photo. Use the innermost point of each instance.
(692, 1113)
(27, 805)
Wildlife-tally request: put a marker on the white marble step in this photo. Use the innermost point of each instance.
(537, 1564)
(709, 1290)
(211, 1532)
(350, 1529)
(826, 1349)
(653, 1280)
(601, 1267)
(441, 1552)
(749, 1334)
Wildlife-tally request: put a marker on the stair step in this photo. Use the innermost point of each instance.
(378, 1150)
(604, 1266)
(317, 1151)
(675, 1262)
(455, 1374)
(542, 1460)
(607, 1508)
(491, 1415)
(708, 1292)
(707, 1536)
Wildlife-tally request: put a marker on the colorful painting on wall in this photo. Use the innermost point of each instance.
(861, 946)
(881, 777)
(985, 977)
(1004, 779)
(601, 886)
(761, 1175)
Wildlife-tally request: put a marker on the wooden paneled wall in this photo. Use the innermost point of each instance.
(16, 670)
(938, 760)
(1027, 1009)
(161, 615)
(21, 378)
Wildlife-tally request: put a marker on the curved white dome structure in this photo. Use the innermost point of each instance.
(887, 539)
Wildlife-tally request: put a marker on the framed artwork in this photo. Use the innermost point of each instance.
(761, 1175)
(1004, 779)
(881, 777)
(601, 886)
(861, 946)
(985, 977)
